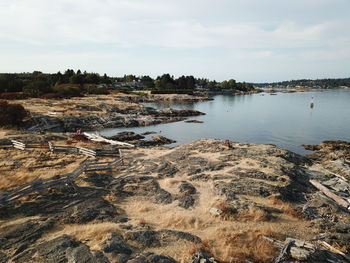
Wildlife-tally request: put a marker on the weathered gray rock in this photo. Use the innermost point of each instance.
(24, 235)
(80, 254)
(126, 136)
(151, 258)
(187, 188)
(3, 258)
(55, 250)
(151, 238)
(141, 186)
(202, 257)
(186, 201)
(120, 258)
(100, 257)
(88, 210)
(115, 244)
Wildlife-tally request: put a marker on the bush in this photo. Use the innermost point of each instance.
(68, 90)
(13, 96)
(11, 114)
(97, 91)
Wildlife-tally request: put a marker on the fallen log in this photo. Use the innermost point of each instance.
(331, 195)
(99, 138)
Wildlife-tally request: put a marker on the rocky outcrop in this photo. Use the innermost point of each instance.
(192, 197)
(160, 238)
(126, 136)
(112, 118)
(23, 235)
(141, 186)
(333, 156)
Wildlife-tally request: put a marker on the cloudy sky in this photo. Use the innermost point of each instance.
(250, 40)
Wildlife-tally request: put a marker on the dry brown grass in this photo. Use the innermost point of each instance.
(21, 167)
(203, 247)
(250, 214)
(90, 234)
(253, 214)
(248, 245)
(288, 209)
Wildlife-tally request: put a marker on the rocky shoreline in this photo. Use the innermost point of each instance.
(205, 201)
(99, 112)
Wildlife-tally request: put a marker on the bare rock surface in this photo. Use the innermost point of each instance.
(198, 202)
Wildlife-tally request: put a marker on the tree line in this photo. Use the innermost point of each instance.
(74, 83)
(318, 83)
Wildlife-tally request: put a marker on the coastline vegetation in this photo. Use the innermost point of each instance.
(72, 84)
(309, 83)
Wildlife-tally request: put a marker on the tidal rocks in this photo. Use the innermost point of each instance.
(194, 121)
(138, 140)
(113, 118)
(126, 136)
(156, 141)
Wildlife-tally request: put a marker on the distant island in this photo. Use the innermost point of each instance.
(76, 83)
(308, 83)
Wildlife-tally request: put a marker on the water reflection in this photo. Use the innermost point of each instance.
(285, 120)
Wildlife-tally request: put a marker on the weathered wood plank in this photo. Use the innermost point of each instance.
(334, 250)
(330, 194)
(284, 251)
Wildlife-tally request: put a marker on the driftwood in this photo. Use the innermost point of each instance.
(330, 194)
(284, 251)
(18, 145)
(99, 138)
(334, 250)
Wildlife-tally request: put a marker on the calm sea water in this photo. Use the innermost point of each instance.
(285, 119)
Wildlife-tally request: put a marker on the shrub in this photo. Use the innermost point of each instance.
(11, 114)
(97, 91)
(13, 96)
(67, 90)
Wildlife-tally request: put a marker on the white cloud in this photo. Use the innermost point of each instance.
(250, 29)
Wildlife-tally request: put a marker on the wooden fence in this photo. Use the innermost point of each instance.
(9, 197)
(67, 149)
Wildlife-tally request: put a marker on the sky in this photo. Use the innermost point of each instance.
(247, 40)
